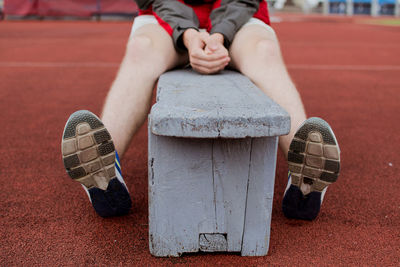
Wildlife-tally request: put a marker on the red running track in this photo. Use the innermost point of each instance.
(347, 73)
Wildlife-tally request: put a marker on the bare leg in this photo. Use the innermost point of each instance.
(149, 53)
(255, 52)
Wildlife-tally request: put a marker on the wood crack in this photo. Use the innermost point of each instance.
(247, 191)
(214, 189)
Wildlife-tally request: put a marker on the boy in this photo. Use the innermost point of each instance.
(209, 35)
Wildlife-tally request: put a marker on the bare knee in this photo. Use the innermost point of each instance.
(261, 54)
(154, 52)
(143, 52)
(267, 50)
(139, 48)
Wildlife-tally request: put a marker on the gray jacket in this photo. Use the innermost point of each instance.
(226, 18)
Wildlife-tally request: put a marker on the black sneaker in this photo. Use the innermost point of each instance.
(314, 163)
(90, 158)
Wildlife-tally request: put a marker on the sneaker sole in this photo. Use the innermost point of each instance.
(88, 151)
(314, 156)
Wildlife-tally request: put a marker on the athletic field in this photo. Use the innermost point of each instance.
(348, 72)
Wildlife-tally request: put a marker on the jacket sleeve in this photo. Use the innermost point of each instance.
(144, 4)
(176, 14)
(229, 16)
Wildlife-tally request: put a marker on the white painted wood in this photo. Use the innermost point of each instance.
(181, 199)
(211, 200)
(231, 158)
(210, 193)
(226, 105)
(260, 196)
(203, 186)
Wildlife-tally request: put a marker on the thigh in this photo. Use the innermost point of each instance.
(255, 52)
(255, 43)
(150, 42)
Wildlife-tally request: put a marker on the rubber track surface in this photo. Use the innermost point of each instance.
(46, 218)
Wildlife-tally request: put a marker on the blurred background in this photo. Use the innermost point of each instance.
(125, 9)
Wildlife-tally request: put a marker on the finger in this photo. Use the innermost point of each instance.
(219, 52)
(196, 43)
(218, 49)
(202, 70)
(213, 44)
(197, 46)
(210, 64)
(206, 70)
(217, 66)
(204, 35)
(207, 50)
(202, 55)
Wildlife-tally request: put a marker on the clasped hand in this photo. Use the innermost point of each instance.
(207, 53)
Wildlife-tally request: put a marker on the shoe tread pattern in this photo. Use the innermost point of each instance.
(89, 155)
(313, 156)
(78, 117)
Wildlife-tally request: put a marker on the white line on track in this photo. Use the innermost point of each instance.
(115, 65)
(344, 67)
(60, 64)
(341, 44)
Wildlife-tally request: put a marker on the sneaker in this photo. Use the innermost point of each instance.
(90, 158)
(314, 163)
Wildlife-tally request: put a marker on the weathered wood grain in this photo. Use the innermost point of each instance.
(181, 198)
(231, 171)
(212, 156)
(227, 105)
(260, 196)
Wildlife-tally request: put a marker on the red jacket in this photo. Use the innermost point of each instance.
(222, 16)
